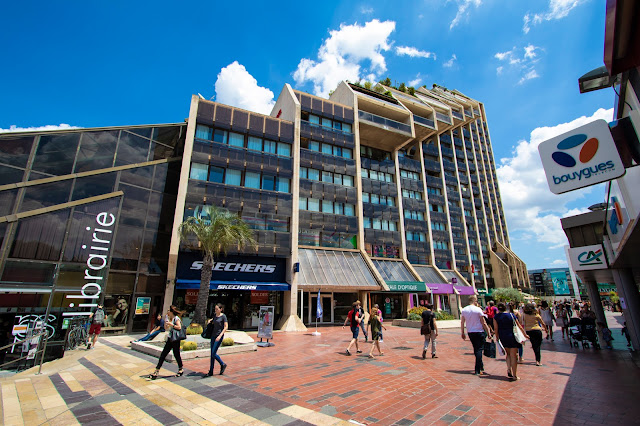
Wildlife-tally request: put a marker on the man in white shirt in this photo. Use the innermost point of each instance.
(477, 329)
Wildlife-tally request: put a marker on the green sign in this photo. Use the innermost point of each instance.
(65, 323)
(407, 286)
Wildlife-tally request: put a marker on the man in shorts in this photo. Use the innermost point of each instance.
(96, 317)
(354, 319)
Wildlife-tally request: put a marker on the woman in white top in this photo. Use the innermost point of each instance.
(547, 316)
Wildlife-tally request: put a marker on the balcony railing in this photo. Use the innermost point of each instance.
(457, 114)
(385, 122)
(443, 117)
(424, 121)
(467, 112)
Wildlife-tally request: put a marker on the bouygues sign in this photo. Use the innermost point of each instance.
(582, 157)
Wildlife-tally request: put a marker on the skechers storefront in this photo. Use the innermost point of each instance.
(241, 283)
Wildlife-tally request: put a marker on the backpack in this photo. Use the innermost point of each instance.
(98, 316)
(425, 329)
(490, 311)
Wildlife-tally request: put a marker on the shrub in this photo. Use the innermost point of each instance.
(414, 317)
(188, 346)
(508, 295)
(227, 341)
(443, 316)
(417, 310)
(194, 328)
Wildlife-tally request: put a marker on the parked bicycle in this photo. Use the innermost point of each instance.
(77, 334)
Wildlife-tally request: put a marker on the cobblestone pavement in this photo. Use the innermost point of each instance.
(308, 379)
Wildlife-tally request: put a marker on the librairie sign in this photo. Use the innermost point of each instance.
(582, 157)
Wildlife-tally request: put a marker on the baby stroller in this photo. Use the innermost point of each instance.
(583, 331)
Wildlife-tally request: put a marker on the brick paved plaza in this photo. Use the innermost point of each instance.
(307, 379)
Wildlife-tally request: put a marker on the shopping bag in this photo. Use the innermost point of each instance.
(501, 350)
(490, 349)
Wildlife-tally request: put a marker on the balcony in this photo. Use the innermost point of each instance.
(457, 114)
(444, 118)
(467, 112)
(385, 123)
(424, 121)
(476, 111)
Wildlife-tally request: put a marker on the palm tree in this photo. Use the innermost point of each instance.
(215, 230)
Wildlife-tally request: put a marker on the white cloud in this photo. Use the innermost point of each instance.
(340, 55)
(236, 87)
(450, 62)
(413, 52)
(533, 212)
(558, 9)
(531, 74)
(520, 65)
(559, 262)
(61, 126)
(366, 10)
(463, 6)
(416, 81)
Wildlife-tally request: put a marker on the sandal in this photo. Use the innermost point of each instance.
(370, 356)
(154, 375)
(180, 373)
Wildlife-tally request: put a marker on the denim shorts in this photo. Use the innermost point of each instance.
(355, 330)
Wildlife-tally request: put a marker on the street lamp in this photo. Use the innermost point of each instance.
(596, 79)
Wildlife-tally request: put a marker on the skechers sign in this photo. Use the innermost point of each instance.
(582, 157)
(233, 268)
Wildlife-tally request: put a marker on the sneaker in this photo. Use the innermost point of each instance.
(88, 346)
(434, 356)
(358, 352)
(348, 353)
(222, 368)
(424, 354)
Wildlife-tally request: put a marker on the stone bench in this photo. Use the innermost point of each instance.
(113, 330)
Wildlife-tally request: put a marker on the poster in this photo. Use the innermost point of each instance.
(560, 285)
(259, 297)
(191, 297)
(265, 324)
(143, 305)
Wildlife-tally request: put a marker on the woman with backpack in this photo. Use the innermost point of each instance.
(354, 319)
(173, 327)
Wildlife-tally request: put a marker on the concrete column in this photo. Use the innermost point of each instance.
(596, 302)
(629, 297)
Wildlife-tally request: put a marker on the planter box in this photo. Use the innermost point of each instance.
(407, 323)
(243, 343)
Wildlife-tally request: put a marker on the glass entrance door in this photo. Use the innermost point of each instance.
(327, 311)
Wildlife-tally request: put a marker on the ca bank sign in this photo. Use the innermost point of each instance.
(587, 258)
(582, 157)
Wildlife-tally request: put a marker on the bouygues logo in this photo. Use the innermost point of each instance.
(588, 149)
(616, 216)
(588, 258)
(581, 157)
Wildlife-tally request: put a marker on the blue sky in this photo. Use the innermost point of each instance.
(89, 64)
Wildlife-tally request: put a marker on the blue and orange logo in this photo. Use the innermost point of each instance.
(616, 218)
(587, 152)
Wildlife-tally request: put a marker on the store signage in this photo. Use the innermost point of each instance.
(265, 325)
(191, 297)
(143, 305)
(99, 249)
(407, 287)
(259, 297)
(246, 269)
(588, 258)
(582, 157)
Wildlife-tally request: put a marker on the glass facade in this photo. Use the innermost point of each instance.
(92, 210)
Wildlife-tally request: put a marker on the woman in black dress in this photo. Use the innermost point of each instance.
(503, 324)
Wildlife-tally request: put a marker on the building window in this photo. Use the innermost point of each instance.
(375, 175)
(416, 195)
(409, 175)
(252, 180)
(199, 171)
(378, 199)
(326, 122)
(329, 177)
(216, 174)
(434, 191)
(410, 214)
(203, 132)
(416, 236)
(237, 140)
(384, 225)
(436, 208)
(326, 148)
(441, 245)
(233, 177)
(438, 226)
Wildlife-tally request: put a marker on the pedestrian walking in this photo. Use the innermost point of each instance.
(376, 331)
(220, 326)
(362, 323)
(607, 336)
(354, 320)
(173, 325)
(533, 326)
(562, 319)
(430, 331)
(490, 312)
(547, 316)
(516, 312)
(97, 316)
(158, 327)
(377, 308)
(473, 319)
(625, 333)
(504, 324)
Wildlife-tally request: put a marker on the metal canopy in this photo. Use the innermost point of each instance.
(322, 268)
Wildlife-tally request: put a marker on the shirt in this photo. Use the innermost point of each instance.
(218, 325)
(159, 323)
(473, 318)
(532, 322)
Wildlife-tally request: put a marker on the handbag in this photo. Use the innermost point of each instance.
(490, 349)
(208, 331)
(177, 335)
(517, 333)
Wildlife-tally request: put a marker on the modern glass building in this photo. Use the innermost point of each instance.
(377, 195)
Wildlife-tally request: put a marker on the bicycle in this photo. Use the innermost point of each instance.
(77, 335)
